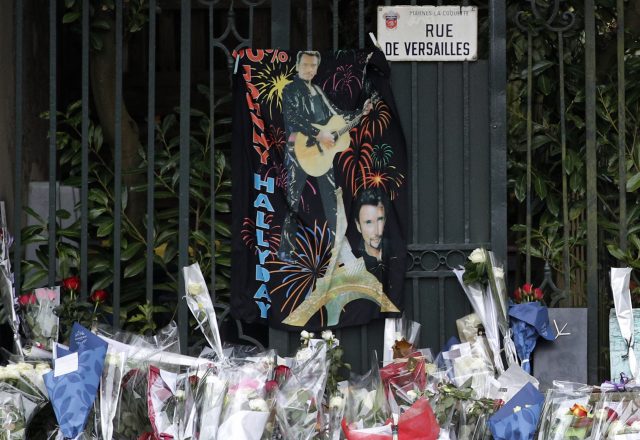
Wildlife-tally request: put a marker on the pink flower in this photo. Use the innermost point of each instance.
(527, 288)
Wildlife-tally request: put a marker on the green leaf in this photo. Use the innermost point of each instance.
(70, 17)
(35, 279)
(100, 24)
(34, 214)
(616, 252)
(130, 251)
(134, 268)
(105, 229)
(540, 187)
(633, 184)
(102, 282)
(223, 229)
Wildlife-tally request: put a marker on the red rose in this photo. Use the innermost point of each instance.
(26, 299)
(282, 373)
(527, 288)
(538, 294)
(99, 296)
(517, 294)
(270, 386)
(71, 283)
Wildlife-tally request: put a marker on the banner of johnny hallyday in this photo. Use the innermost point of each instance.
(319, 189)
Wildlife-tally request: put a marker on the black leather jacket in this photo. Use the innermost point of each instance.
(299, 112)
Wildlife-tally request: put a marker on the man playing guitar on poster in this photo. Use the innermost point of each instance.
(305, 108)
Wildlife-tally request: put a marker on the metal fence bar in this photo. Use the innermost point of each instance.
(17, 213)
(309, 12)
(336, 24)
(84, 185)
(622, 128)
(361, 24)
(212, 147)
(414, 172)
(563, 146)
(183, 208)
(117, 170)
(592, 191)
(52, 140)
(280, 27)
(498, 132)
(151, 148)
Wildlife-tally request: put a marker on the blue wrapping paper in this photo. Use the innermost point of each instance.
(518, 418)
(72, 394)
(528, 321)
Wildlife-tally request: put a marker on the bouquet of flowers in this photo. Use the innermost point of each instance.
(110, 382)
(617, 416)
(209, 398)
(246, 411)
(299, 399)
(164, 398)
(12, 416)
(367, 410)
(199, 302)
(26, 379)
(39, 317)
(7, 298)
(132, 415)
(565, 415)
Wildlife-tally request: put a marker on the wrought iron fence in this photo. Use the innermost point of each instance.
(291, 24)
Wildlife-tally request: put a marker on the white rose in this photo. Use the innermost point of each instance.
(336, 402)
(194, 289)
(412, 395)
(477, 256)
(305, 334)
(498, 272)
(179, 394)
(327, 335)
(369, 400)
(258, 405)
(636, 425)
(303, 355)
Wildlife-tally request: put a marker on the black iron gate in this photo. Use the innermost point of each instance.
(453, 115)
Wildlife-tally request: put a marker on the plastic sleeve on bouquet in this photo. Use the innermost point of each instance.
(620, 277)
(199, 302)
(299, 399)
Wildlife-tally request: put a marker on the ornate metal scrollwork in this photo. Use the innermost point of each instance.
(435, 260)
(534, 20)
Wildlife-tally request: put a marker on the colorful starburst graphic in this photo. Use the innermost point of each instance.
(310, 262)
(356, 159)
(381, 155)
(388, 179)
(343, 81)
(377, 120)
(270, 81)
(276, 138)
(271, 235)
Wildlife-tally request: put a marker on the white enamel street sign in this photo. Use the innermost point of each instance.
(428, 33)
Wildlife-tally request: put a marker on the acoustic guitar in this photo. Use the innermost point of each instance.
(316, 158)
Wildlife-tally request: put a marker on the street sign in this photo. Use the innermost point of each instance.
(428, 33)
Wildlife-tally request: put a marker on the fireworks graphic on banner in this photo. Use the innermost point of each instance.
(381, 155)
(276, 138)
(356, 161)
(343, 81)
(377, 120)
(271, 235)
(389, 180)
(310, 262)
(270, 82)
